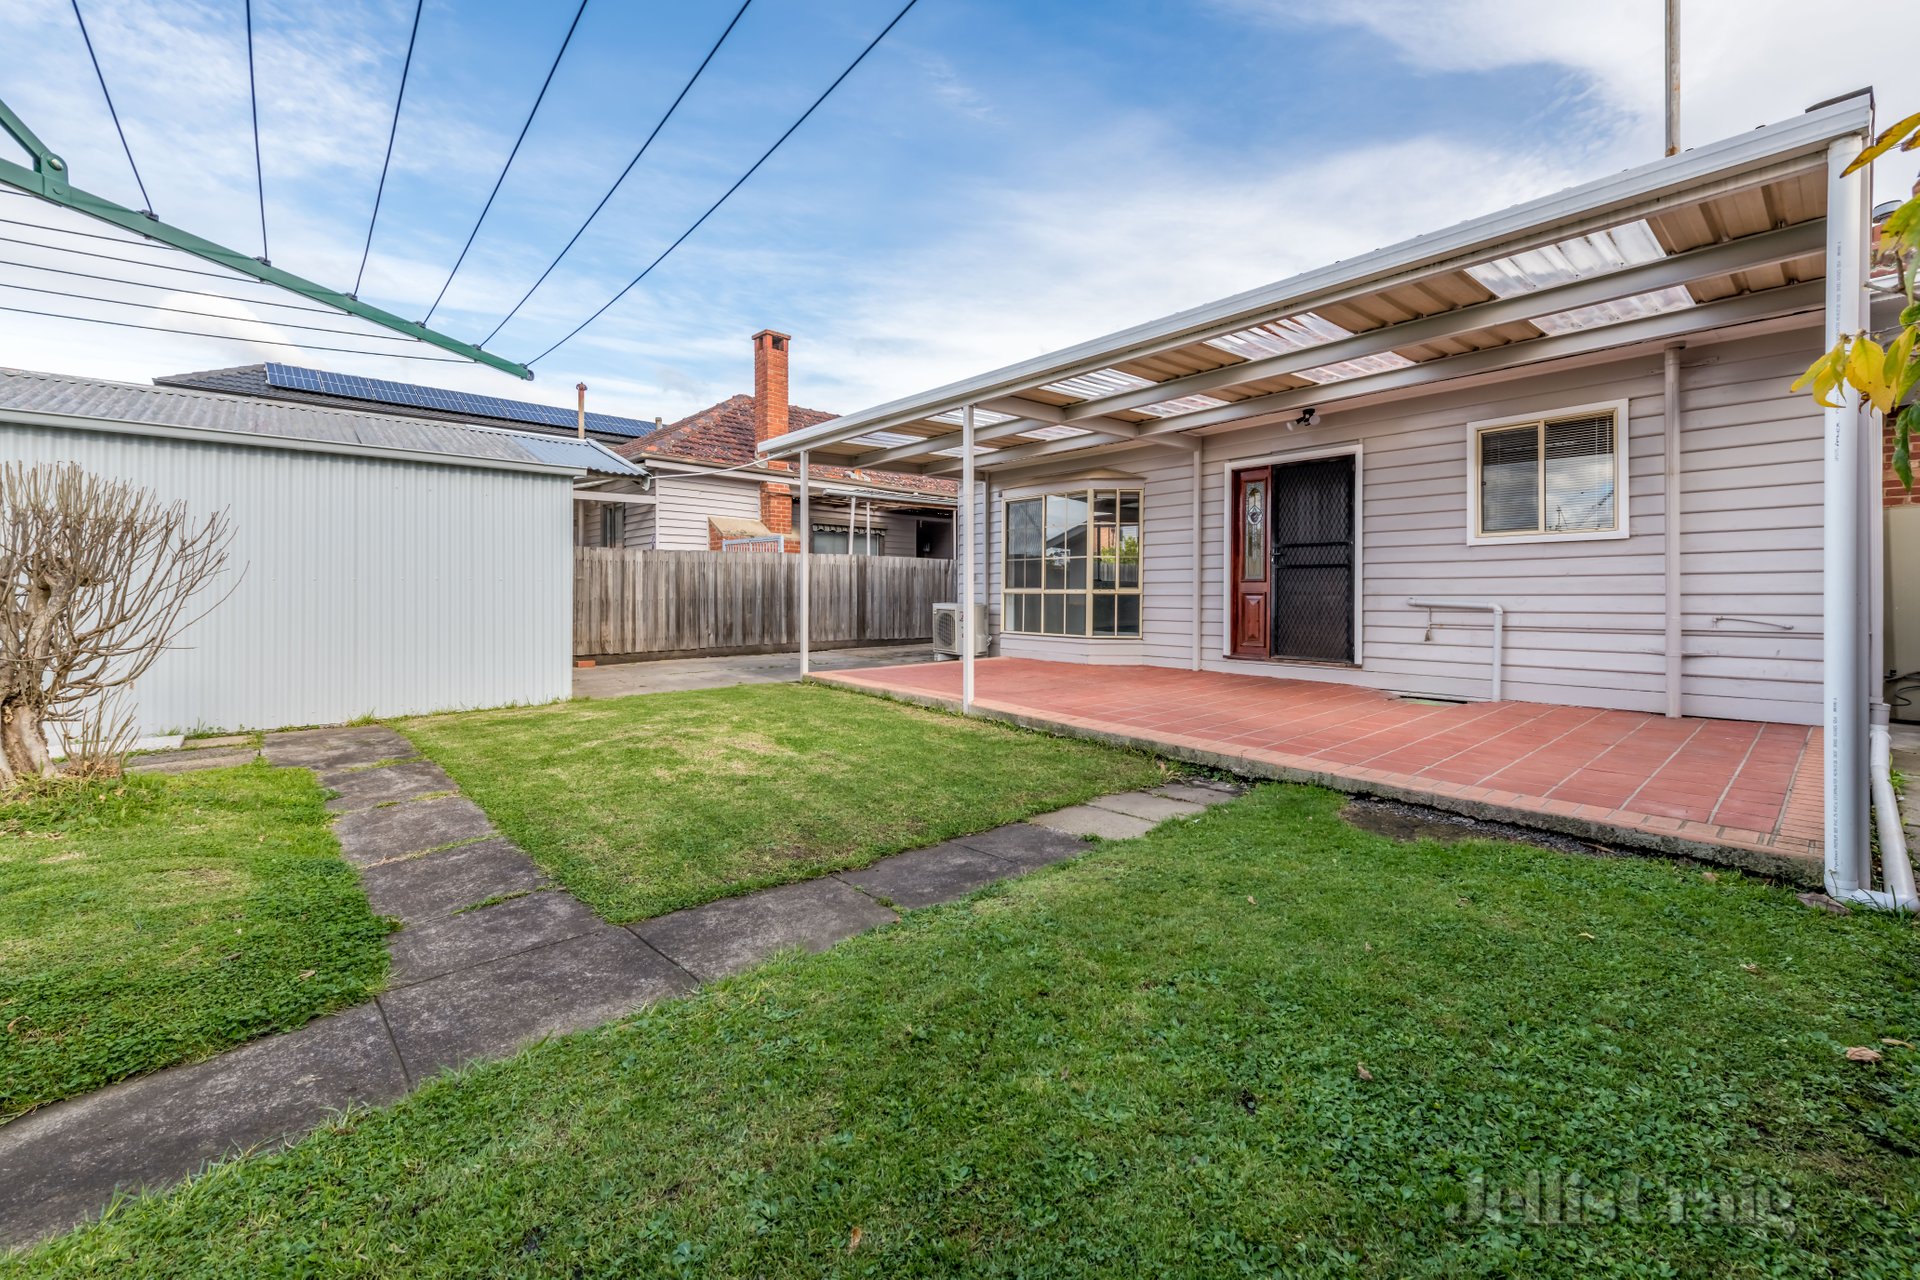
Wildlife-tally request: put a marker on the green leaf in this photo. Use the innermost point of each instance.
(1888, 139)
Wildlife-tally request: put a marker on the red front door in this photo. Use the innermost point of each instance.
(1252, 568)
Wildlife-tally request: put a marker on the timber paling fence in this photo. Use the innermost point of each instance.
(666, 603)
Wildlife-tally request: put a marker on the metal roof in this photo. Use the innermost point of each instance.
(1725, 234)
(88, 403)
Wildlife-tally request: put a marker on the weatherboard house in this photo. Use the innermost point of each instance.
(1548, 455)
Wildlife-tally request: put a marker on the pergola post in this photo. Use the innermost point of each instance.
(806, 557)
(967, 559)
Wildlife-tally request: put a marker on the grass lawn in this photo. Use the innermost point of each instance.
(642, 805)
(155, 920)
(1259, 1042)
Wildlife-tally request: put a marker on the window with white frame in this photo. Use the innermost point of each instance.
(1071, 564)
(1557, 476)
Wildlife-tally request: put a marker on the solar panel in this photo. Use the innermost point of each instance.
(294, 378)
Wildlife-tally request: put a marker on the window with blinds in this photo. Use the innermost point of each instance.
(1554, 476)
(1071, 564)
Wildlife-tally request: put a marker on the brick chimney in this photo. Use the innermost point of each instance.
(769, 384)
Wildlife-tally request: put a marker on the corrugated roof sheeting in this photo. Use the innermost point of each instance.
(109, 402)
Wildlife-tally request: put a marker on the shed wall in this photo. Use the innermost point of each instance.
(358, 585)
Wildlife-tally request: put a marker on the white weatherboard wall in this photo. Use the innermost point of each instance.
(683, 502)
(365, 585)
(1584, 619)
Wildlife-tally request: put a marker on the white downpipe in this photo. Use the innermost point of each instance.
(967, 560)
(1675, 642)
(1843, 688)
(1896, 868)
(806, 557)
(1499, 613)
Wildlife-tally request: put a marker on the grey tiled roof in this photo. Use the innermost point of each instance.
(22, 391)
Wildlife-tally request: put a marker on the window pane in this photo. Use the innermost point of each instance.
(1129, 555)
(1127, 622)
(1076, 524)
(1580, 474)
(1077, 573)
(1105, 505)
(1253, 531)
(1106, 562)
(1056, 569)
(1024, 528)
(1510, 480)
(1076, 616)
(1130, 506)
(1102, 615)
(829, 542)
(1053, 621)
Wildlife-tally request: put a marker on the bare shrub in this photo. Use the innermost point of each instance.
(99, 576)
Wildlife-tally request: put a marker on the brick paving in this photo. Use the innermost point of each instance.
(1731, 791)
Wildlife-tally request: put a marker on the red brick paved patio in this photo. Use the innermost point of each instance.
(1725, 790)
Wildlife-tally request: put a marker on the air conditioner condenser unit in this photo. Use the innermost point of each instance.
(946, 630)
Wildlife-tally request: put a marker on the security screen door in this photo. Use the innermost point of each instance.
(1311, 513)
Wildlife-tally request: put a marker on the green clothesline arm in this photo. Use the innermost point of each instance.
(48, 179)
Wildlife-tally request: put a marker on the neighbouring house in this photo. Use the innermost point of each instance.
(605, 504)
(711, 490)
(1550, 454)
(379, 565)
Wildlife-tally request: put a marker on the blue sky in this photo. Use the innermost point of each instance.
(998, 179)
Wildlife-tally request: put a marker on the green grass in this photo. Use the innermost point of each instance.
(1147, 1063)
(646, 804)
(155, 920)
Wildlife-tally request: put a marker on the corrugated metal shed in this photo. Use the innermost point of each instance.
(130, 404)
(375, 569)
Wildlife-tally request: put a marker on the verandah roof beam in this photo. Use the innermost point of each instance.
(48, 179)
(1112, 428)
(1741, 309)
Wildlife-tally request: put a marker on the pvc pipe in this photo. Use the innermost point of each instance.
(1843, 690)
(1499, 628)
(1896, 868)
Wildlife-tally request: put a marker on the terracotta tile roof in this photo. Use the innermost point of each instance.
(721, 435)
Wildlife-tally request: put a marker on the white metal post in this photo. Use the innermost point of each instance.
(1843, 681)
(1675, 640)
(806, 557)
(853, 521)
(1199, 588)
(967, 560)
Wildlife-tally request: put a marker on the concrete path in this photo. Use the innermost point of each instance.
(671, 675)
(491, 957)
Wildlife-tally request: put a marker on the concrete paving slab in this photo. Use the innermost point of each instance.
(334, 748)
(674, 675)
(189, 761)
(365, 788)
(373, 835)
(494, 1009)
(424, 951)
(224, 740)
(63, 1163)
(1194, 793)
(439, 884)
(1026, 846)
(733, 934)
(1086, 820)
(1139, 804)
(922, 877)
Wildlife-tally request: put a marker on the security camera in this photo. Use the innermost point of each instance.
(1309, 417)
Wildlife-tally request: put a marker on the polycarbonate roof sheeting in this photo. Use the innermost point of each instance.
(22, 391)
